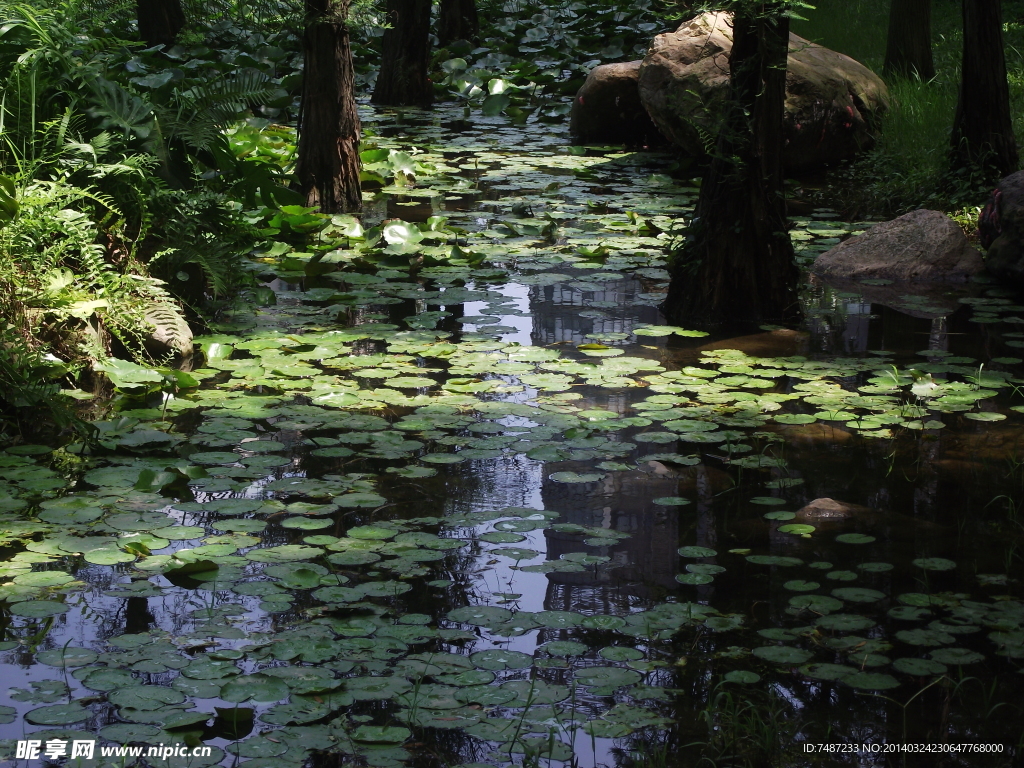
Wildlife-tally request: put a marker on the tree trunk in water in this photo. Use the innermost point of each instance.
(738, 266)
(403, 80)
(328, 164)
(982, 129)
(457, 20)
(160, 21)
(908, 49)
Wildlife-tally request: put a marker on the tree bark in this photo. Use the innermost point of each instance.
(908, 49)
(982, 134)
(160, 21)
(457, 20)
(404, 79)
(328, 150)
(738, 265)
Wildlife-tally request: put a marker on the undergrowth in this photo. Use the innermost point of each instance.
(122, 194)
(908, 168)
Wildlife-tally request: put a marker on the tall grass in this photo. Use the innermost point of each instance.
(908, 167)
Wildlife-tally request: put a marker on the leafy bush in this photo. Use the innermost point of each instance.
(121, 187)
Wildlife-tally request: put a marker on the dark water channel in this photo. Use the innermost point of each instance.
(533, 534)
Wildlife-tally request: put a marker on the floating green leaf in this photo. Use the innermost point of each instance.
(697, 552)
(854, 538)
(934, 563)
(782, 654)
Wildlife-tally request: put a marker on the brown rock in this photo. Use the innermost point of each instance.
(825, 509)
(921, 246)
(831, 515)
(816, 433)
(833, 103)
(607, 109)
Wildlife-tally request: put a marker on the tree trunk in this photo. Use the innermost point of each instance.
(908, 49)
(328, 164)
(457, 20)
(403, 80)
(160, 21)
(983, 129)
(738, 266)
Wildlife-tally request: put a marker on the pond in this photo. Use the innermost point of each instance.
(490, 509)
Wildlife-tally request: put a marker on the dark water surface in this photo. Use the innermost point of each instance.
(534, 534)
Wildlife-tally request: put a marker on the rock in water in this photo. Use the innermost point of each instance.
(833, 103)
(1001, 230)
(921, 246)
(170, 334)
(825, 508)
(607, 109)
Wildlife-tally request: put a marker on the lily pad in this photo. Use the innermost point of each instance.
(924, 637)
(871, 681)
(799, 585)
(844, 622)
(574, 477)
(497, 658)
(741, 676)
(145, 697)
(697, 552)
(956, 656)
(780, 560)
(934, 563)
(67, 657)
(827, 671)
(257, 687)
(919, 667)
(58, 714)
(858, 594)
(782, 654)
(875, 567)
(607, 677)
(620, 653)
(797, 529)
(694, 579)
(381, 734)
(821, 604)
(39, 609)
(854, 538)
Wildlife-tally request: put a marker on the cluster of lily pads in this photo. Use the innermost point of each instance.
(306, 604)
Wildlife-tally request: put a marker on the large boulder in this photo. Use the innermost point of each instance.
(607, 108)
(920, 246)
(1001, 230)
(833, 103)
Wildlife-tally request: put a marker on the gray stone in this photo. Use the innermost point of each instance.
(607, 109)
(920, 246)
(170, 334)
(833, 103)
